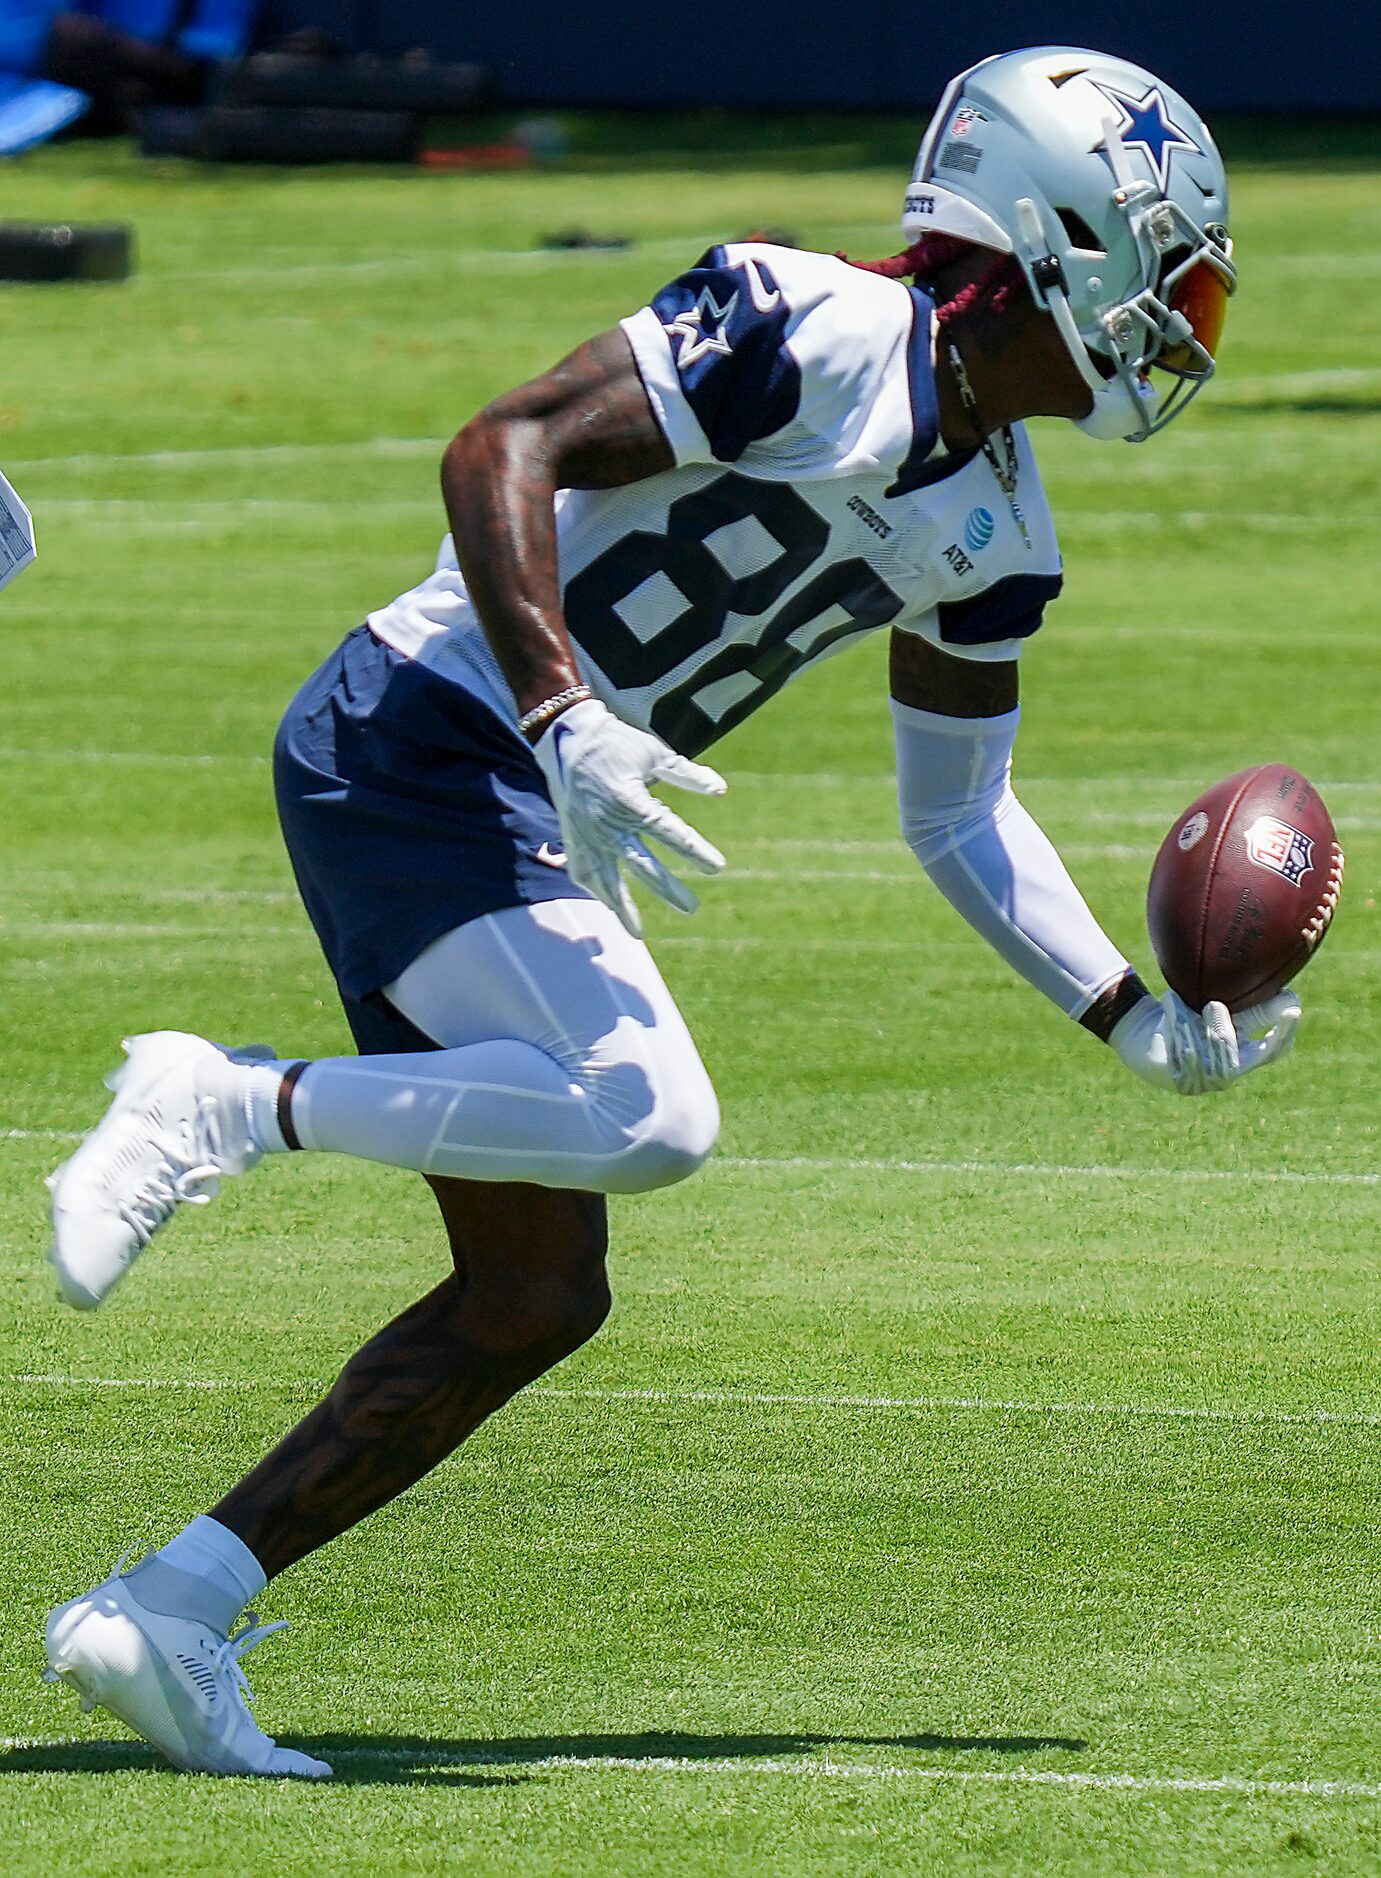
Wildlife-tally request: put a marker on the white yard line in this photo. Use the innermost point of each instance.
(122, 929)
(295, 931)
(174, 896)
(1285, 384)
(177, 759)
(200, 1383)
(910, 876)
(1047, 1170)
(232, 453)
(118, 507)
(1270, 520)
(755, 1398)
(121, 510)
(1321, 378)
(958, 1169)
(1075, 786)
(798, 1767)
(453, 260)
(974, 1405)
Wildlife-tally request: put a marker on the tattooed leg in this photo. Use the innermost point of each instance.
(529, 1287)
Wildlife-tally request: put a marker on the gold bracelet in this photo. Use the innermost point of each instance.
(542, 714)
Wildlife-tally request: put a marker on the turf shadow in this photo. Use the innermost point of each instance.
(418, 1760)
(501, 1761)
(115, 1757)
(1361, 406)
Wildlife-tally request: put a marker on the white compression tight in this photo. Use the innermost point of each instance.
(564, 1061)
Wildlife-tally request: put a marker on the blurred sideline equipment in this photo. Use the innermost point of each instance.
(177, 71)
(107, 58)
(38, 251)
(16, 533)
(310, 103)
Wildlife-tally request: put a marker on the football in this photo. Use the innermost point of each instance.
(1244, 887)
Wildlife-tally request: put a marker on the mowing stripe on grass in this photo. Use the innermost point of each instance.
(801, 1767)
(753, 1398)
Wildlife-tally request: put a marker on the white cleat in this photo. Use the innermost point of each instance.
(177, 1124)
(176, 1683)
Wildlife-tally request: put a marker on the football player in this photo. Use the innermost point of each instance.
(783, 453)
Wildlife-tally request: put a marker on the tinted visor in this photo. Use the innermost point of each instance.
(1199, 296)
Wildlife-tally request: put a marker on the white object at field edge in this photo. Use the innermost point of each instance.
(16, 533)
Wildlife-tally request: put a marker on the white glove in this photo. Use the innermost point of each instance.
(597, 769)
(1168, 1044)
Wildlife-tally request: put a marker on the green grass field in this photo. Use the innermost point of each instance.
(980, 1471)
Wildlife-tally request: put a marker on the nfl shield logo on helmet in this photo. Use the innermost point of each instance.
(1281, 848)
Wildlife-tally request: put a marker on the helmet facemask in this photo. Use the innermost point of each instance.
(1173, 324)
(1043, 154)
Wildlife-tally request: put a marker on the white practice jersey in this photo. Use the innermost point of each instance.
(810, 503)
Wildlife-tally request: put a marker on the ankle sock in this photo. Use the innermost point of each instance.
(206, 1574)
(262, 1083)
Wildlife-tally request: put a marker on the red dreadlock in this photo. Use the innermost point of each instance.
(932, 254)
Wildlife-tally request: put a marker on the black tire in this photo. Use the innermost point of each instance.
(38, 251)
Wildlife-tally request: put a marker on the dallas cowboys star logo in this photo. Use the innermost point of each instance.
(701, 328)
(1145, 124)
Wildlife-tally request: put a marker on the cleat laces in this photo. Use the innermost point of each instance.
(225, 1659)
(186, 1175)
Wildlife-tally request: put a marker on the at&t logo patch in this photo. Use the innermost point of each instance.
(978, 530)
(1280, 848)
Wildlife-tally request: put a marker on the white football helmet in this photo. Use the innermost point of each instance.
(1107, 187)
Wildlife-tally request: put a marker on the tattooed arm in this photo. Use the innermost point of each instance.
(586, 424)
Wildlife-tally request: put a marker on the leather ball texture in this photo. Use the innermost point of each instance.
(1244, 887)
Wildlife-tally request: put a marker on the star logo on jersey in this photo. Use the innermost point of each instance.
(1145, 124)
(701, 328)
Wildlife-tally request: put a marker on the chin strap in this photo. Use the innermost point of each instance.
(1049, 283)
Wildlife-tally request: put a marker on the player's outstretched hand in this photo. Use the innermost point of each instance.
(598, 769)
(1193, 1052)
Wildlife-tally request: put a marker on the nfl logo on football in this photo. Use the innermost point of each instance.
(1283, 849)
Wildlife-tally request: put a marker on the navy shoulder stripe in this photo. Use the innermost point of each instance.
(917, 471)
(1009, 609)
(726, 326)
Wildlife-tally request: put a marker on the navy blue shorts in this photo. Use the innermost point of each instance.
(409, 807)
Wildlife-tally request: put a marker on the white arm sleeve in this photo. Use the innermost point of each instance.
(990, 859)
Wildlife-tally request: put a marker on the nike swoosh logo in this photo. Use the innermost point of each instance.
(762, 299)
(548, 856)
